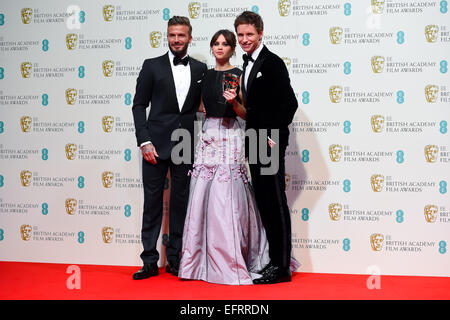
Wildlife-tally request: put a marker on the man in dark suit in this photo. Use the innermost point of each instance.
(171, 83)
(270, 105)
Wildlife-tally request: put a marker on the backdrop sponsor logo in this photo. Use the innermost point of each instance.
(388, 124)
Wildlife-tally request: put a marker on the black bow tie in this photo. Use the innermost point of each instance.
(177, 60)
(247, 58)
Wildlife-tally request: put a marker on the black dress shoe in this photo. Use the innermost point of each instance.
(268, 266)
(172, 269)
(274, 274)
(147, 271)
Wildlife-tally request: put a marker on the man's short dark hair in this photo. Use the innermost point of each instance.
(249, 17)
(179, 20)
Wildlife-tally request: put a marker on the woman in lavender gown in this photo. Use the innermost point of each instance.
(224, 240)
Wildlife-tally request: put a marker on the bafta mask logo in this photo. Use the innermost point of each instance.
(377, 64)
(377, 122)
(155, 39)
(25, 69)
(335, 151)
(431, 93)
(25, 123)
(431, 33)
(71, 151)
(335, 94)
(71, 206)
(71, 96)
(287, 62)
(25, 178)
(108, 12)
(335, 211)
(336, 35)
(107, 179)
(71, 41)
(107, 234)
(377, 182)
(26, 14)
(431, 213)
(108, 68)
(431, 153)
(287, 180)
(377, 6)
(284, 7)
(376, 241)
(194, 10)
(108, 123)
(25, 232)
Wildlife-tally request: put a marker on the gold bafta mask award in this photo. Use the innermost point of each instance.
(431, 33)
(377, 6)
(25, 69)
(336, 35)
(431, 153)
(26, 14)
(25, 178)
(71, 96)
(107, 234)
(71, 41)
(108, 68)
(155, 39)
(108, 12)
(71, 206)
(25, 232)
(194, 10)
(25, 123)
(377, 64)
(335, 151)
(71, 151)
(431, 93)
(335, 211)
(376, 241)
(335, 94)
(107, 179)
(377, 122)
(431, 213)
(284, 7)
(377, 182)
(107, 123)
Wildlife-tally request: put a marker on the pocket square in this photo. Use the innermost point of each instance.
(199, 81)
(259, 74)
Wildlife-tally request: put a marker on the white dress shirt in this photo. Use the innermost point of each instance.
(181, 78)
(248, 69)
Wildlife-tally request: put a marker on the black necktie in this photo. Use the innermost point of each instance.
(177, 60)
(247, 58)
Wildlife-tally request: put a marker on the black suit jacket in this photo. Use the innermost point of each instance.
(156, 85)
(269, 98)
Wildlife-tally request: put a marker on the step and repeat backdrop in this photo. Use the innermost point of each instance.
(367, 168)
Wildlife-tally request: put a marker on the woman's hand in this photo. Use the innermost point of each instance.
(230, 95)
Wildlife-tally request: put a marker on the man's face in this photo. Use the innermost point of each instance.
(179, 39)
(249, 39)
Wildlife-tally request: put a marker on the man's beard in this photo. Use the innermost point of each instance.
(181, 53)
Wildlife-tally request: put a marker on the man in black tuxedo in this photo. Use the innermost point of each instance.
(171, 83)
(270, 105)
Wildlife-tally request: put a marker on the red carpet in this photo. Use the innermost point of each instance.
(42, 281)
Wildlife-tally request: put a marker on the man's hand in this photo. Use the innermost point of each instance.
(149, 153)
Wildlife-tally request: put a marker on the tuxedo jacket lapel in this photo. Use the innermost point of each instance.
(255, 69)
(167, 69)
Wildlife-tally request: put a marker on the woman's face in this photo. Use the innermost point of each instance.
(221, 49)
